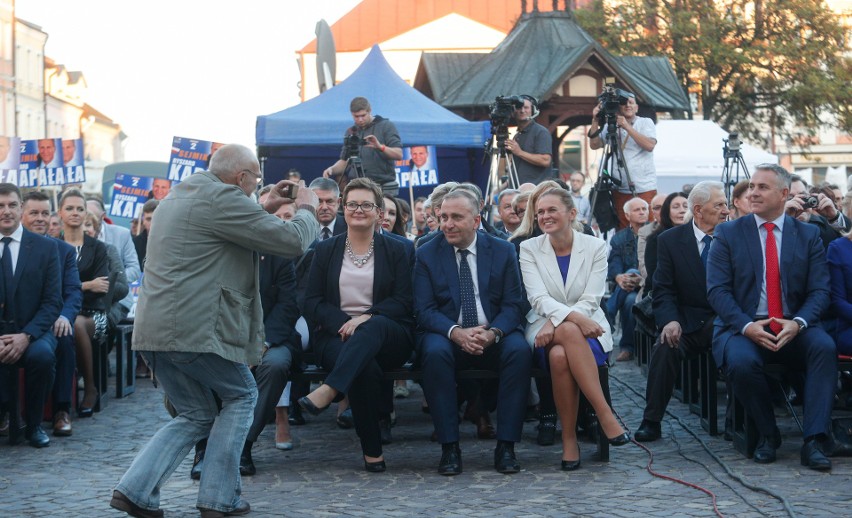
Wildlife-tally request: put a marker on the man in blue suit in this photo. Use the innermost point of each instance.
(30, 301)
(36, 219)
(467, 298)
(769, 306)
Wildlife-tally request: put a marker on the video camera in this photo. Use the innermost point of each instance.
(501, 112)
(610, 99)
(353, 145)
(732, 146)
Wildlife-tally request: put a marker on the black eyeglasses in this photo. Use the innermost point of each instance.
(351, 206)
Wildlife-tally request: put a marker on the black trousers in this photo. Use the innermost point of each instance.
(663, 368)
(66, 364)
(356, 368)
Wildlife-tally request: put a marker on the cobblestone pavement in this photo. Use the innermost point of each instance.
(323, 475)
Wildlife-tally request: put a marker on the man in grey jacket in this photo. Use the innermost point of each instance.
(199, 323)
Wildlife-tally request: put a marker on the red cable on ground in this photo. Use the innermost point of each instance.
(673, 479)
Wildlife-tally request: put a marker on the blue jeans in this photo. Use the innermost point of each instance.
(189, 380)
(623, 301)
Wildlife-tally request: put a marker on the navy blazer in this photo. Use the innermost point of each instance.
(280, 311)
(680, 281)
(437, 302)
(391, 283)
(303, 263)
(37, 298)
(72, 288)
(735, 274)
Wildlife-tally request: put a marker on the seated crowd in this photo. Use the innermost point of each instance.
(764, 278)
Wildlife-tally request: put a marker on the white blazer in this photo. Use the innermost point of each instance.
(553, 299)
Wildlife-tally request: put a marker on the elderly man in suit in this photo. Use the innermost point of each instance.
(199, 323)
(30, 302)
(767, 281)
(468, 298)
(683, 315)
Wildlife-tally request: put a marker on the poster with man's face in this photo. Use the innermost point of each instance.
(418, 167)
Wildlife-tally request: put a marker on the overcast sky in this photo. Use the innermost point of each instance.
(190, 68)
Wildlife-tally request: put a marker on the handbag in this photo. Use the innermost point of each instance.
(643, 312)
(603, 208)
(840, 442)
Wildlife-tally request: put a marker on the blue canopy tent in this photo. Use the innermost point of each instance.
(309, 136)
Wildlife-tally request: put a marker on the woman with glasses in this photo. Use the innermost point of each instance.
(359, 301)
(90, 326)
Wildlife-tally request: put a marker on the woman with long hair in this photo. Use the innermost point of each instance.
(90, 326)
(674, 213)
(739, 200)
(359, 300)
(564, 273)
(392, 221)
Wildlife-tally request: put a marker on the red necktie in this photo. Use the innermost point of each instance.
(773, 279)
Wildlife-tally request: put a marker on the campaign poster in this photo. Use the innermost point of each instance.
(134, 290)
(190, 156)
(129, 194)
(10, 159)
(418, 167)
(42, 164)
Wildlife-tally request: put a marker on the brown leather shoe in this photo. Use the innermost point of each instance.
(624, 356)
(484, 429)
(61, 424)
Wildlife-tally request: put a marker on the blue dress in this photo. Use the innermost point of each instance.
(839, 258)
(594, 344)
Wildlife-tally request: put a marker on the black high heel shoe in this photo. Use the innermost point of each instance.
(572, 465)
(309, 406)
(619, 440)
(375, 467)
(88, 412)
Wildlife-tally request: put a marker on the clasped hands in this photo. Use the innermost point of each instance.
(473, 340)
(12, 347)
(757, 334)
(588, 327)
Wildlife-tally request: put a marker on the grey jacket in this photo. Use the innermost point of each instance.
(200, 289)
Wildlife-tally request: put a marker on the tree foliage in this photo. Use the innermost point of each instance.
(783, 64)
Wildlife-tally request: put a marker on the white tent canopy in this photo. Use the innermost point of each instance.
(690, 151)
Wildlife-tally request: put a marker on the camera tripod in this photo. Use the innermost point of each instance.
(497, 152)
(734, 164)
(612, 160)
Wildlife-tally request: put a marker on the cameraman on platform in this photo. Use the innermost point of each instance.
(380, 145)
(532, 144)
(637, 137)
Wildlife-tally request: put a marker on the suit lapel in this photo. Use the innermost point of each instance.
(380, 264)
(451, 271)
(483, 269)
(751, 238)
(789, 242)
(551, 266)
(578, 260)
(334, 267)
(689, 249)
(23, 260)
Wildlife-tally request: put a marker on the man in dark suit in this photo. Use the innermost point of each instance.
(769, 306)
(30, 301)
(468, 314)
(683, 315)
(36, 219)
(281, 350)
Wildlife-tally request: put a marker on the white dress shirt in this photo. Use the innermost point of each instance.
(14, 246)
(471, 261)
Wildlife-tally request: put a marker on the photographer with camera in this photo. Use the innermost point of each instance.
(375, 142)
(816, 209)
(637, 137)
(532, 144)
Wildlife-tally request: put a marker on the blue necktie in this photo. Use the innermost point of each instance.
(706, 252)
(6, 264)
(468, 299)
(326, 233)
